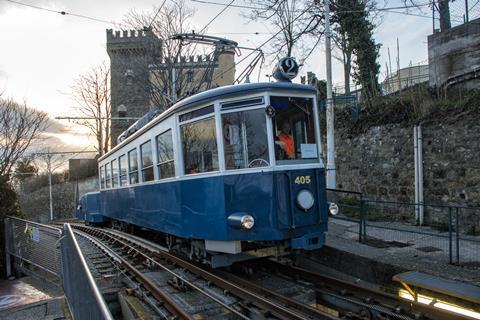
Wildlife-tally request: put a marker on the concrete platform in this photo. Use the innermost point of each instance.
(21, 299)
(377, 264)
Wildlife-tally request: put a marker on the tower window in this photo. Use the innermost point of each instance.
(122, 111)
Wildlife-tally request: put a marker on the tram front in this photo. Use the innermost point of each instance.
(299, 173)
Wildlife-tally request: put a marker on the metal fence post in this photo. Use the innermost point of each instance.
(361, 236)
(457, 236)
(450, 235)
(8, 239)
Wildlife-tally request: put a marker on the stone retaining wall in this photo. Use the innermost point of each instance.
(380, 162)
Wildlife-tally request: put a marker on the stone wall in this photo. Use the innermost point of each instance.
(454, 56)
(380, 162)
(36, 205)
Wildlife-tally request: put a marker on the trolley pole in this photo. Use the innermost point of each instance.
(331, 180)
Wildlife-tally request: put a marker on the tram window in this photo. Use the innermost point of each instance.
(166, 164)
(294, 130)
(108, 175)
(133, 172)
(245, 139)
(114, 173)
(196, 113)
(122, 161)
(147, 162)
(199, 146)
(242, 103)
(102, 177)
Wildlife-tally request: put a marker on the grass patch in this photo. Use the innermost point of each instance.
(417, 104)
(349, 206)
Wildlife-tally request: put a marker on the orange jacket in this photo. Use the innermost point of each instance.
(289, 145)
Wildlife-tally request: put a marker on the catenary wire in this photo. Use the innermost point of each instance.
(156, 14)
(63, 13)
(347, 11)
(218, 14)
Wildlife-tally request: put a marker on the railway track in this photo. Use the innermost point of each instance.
(346, 299)
(247, 299)
(247, 305)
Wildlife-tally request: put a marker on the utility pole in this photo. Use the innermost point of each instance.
(49, 156)
(331, 179)
(49, 169)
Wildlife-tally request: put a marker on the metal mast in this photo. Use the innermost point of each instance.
(331, 179)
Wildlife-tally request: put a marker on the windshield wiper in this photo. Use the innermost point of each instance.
(300, 107)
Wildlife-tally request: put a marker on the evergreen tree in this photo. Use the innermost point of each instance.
(355, 31)
(8, 199)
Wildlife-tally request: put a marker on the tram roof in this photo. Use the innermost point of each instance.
(211, 95)
(237, 90)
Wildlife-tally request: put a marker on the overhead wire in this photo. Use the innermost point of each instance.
(385, 9)
(218, 14)
(63, 13)
(347, 11)
(268, 40)
(156, 14)
(204, 76)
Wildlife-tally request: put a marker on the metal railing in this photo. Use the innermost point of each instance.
(33, 249)
(452, 232)
(83, 296)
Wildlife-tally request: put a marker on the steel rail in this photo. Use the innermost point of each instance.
(292, 310)
(159, 294)
(377, 298)
(308, 311)
(156, 263)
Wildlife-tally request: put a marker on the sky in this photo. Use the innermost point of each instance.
(42, 52)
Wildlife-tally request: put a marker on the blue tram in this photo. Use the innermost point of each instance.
(225, 175)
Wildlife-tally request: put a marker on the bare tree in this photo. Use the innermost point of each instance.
(91, 91)
(20, 126)
(293, 24)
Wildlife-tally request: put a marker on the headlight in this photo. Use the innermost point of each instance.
(305, 199)
(247, 222)
(241, 220)
(333, 208)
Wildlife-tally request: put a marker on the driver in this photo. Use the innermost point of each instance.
(285, 141)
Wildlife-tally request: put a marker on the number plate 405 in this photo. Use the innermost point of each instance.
(302, 180)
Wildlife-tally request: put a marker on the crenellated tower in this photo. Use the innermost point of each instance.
(142, 79)
(131, 53)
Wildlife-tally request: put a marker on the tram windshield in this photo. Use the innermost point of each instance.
(294, 130)
(245, 139)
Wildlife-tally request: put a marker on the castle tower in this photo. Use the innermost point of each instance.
(131, 53)
(224, 73)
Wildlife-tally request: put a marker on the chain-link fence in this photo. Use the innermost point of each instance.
(459, 12)
(33, 249)
(451, 232)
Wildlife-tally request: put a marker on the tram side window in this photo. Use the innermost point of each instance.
(122, 161)
(294, 130)
(245, 139)
(114, 173)
(147, 161)
(165, 160)
(108, 175)
(199, 146)
(102, 177)
(133, 172)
